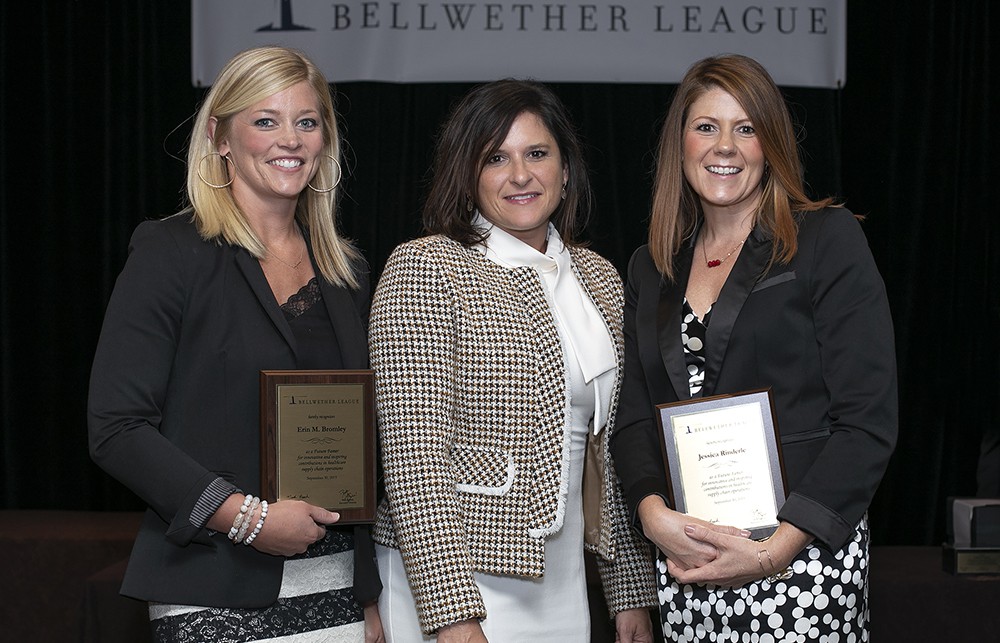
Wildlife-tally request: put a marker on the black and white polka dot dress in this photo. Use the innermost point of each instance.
(825, 598)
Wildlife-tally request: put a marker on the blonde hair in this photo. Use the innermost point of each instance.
(252, 76)
(676, 207)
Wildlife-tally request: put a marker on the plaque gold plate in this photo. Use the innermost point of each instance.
(318, 440)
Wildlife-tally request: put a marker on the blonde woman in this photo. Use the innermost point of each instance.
(252, 275)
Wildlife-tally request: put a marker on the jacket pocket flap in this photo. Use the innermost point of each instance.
(816, 434)
(775, 280)
(482, 471)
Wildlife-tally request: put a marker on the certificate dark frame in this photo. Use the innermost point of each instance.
(269, 383)
(772, 439)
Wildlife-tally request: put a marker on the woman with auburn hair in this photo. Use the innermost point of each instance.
(746, 283)
(496, 344)
(251, 276)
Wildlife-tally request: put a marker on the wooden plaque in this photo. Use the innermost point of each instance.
(318, 440)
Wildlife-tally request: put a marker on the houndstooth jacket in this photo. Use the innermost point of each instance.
(471, 403)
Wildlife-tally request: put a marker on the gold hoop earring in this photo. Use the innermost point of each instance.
(335, 183)
(564, 192)
(225, 159)
(468, 204)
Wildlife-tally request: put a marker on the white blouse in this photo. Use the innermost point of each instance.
(575, 313)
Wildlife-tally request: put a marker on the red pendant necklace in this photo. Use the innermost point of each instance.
(713, 263)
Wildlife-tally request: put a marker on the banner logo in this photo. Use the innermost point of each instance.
(801, 42)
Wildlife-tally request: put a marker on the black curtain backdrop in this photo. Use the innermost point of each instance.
(96, 103)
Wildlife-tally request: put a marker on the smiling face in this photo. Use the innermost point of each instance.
(521, 184)
(723, 160)
(274, 146)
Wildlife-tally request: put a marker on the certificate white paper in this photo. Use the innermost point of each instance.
(723, 460)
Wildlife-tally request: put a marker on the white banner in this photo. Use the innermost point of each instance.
(801, 42)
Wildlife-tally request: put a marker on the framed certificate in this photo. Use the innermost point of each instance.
(723, 460)
(318, 440)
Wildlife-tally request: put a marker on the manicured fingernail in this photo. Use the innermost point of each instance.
(689, 530)
(745, 533)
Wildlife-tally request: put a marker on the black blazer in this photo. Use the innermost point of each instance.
(816, 331)
(174, 402)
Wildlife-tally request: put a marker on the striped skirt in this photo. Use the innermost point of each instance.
(315, 604)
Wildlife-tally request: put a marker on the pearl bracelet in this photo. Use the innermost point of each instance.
(260, 523)
(248, 517)
(239, 518)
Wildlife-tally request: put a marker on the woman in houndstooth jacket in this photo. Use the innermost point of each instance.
(497, 346)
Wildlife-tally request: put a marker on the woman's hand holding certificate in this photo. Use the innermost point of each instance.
(666, 528)
(740, 560)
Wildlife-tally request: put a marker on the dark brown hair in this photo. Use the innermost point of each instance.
(475, 129)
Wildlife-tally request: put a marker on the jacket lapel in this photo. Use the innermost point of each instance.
(346, 324)
(344, 318)
(668, 324)
(258, 283)
(746, 272)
